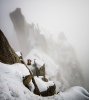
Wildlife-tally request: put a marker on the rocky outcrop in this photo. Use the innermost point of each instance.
(22, 29)
(28, 34)
(39, 67)
(7, 54)
(26, 80)
(50, 91)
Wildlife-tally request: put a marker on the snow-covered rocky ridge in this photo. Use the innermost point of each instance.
(58, 55)
(12, 88)
(59, 58)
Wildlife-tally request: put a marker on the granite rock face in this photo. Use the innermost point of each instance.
(7, 54)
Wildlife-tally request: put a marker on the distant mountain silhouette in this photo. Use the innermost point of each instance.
(21, 28)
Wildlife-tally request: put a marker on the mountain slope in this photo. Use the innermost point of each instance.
(59, 56)
(12, 88)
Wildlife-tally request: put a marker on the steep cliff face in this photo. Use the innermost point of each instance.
(7, 54)
(28, 34)
(22, 29)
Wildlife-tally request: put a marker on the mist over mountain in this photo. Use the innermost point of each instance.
(59, 56)
(70, 17)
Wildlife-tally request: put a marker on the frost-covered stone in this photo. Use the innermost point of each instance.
(39, 67)
(45, 88)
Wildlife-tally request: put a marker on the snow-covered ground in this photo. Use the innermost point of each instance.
(60, 59)
(12, 88)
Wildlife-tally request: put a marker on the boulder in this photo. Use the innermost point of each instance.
(28, 62)
(7, 54)
(44, 88)
(26, 80)
(39, 67)
(49, 92)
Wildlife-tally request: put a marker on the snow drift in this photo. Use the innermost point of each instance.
(12, 88)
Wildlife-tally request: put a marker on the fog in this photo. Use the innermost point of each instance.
(68, 16)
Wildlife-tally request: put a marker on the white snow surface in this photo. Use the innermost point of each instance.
(39, 63)
(12, 88)
(43, 86)
(31, 86)
(18, 53)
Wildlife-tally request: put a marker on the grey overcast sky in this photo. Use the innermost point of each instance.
(68, 16)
